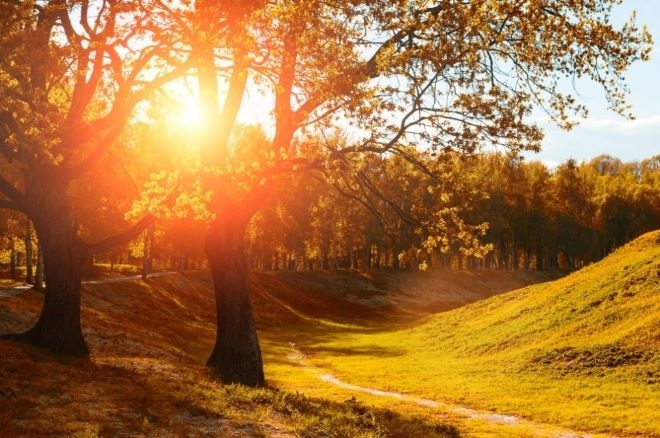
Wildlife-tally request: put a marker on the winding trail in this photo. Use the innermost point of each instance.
(493, 420)
(500, 420)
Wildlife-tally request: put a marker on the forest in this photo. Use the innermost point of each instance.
(532, 217)
(535, 217)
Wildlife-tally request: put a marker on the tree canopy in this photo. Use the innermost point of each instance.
(335, 84)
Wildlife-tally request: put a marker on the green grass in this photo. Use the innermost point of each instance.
(582, 352)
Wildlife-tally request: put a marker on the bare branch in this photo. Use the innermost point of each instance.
(107, 129)
(124, 237)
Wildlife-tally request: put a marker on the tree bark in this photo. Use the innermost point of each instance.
(29, 274)
(147, 258)
(39, 275)
(236, 355)
(58, 328)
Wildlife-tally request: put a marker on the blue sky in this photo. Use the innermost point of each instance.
(605, 132)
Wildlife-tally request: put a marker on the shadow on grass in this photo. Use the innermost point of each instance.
(117, 396)
(146, 377)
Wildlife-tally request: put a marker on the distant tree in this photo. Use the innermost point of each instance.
(10, 234)
(575, 212)
(28, 240)
(606, 164)
(492, 208)
(538, 236)
(628, 206)
(528, 190)
(649, 172)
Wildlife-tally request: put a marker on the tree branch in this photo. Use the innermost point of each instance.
(102, 146)
(107, 129)
(364, 181)
(10, 191)
(10, 205)
(124, 237)
(236, 90)
(284, 124)
(84, 88)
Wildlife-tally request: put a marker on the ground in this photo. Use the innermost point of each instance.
(318, 330)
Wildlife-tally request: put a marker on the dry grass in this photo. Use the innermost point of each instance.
(145, 376)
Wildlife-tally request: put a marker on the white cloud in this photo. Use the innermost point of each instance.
(619, 124)
(623, 125)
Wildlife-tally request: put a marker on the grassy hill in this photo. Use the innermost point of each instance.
(580, 353)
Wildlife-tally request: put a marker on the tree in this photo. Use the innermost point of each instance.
(537, 223)
(71, 74)
(445, 76)
(575, 212)
(11, 244)
(627, 204)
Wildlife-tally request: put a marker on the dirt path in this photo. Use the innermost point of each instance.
(12, 291)
(423, 294)
(494, 419)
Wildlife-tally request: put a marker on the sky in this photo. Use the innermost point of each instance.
(605, 132)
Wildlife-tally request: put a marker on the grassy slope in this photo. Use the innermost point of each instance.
(146, 376)
(582, 352)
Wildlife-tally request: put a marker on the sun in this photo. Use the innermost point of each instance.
(184, 120)
(184, 113)
(180, 108)
(189, 116)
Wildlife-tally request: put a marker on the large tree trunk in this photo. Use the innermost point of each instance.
(236, 355)
(58, 328)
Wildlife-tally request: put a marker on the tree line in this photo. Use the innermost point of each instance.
(537, 218)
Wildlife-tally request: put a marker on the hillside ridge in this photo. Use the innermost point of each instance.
(582, 351)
